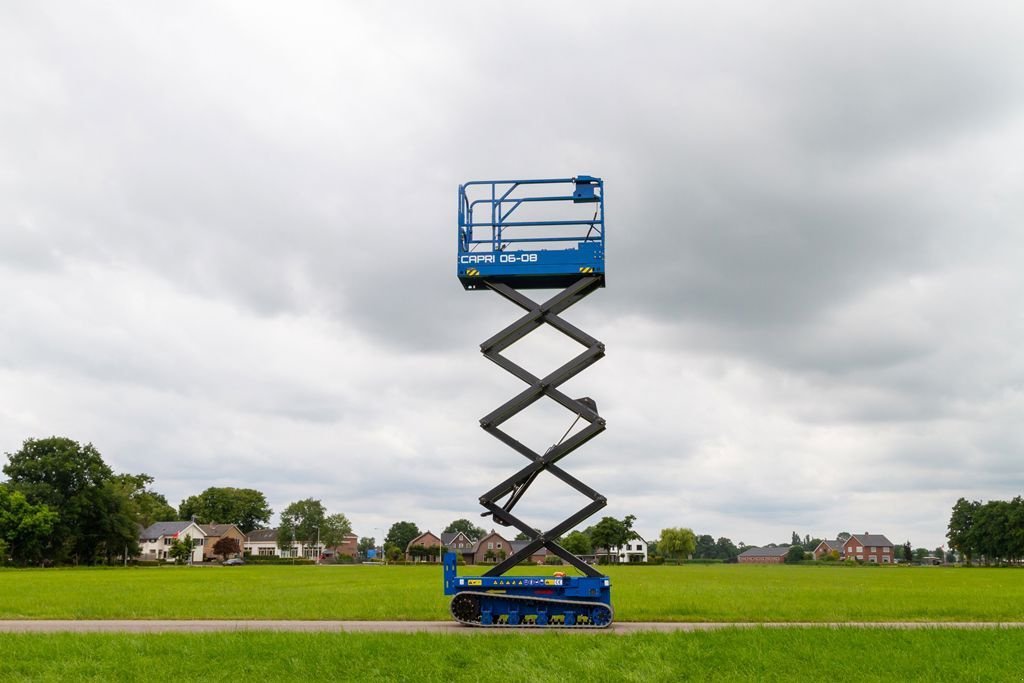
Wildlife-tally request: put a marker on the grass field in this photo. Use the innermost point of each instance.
(733, 654)
(731, 593)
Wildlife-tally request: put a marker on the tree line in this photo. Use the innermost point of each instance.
(990, 533)
(62, 504)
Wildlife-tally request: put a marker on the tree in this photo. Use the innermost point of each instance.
(607, 534)
(299, 522)
(677, 542)
(226, 546)
(334, 529)
(473, 532)
(960, 531)
(726, 550)
(245, 508)
(705, 547)
(578, 543)
(908, 553)
(810, 544)
(843, 536)
(144, 505)
(181, 549)
(795, 539)
(24, 528)
(366, 544)
(401, 534)
(795, 553)
(920, 554)
(93, 522)
(489, 556)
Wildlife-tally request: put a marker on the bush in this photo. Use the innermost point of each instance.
(553, 560)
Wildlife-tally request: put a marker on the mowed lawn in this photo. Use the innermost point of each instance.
(767, 654)
(722, 593)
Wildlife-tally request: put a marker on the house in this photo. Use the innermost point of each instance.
(261, 543)
(867, 547)
(156, 540)
(634, 550)
(349, 546)
(826, 547)
(539, 556)
(215, 532)
(490, 549)
(428, 541)
(457, 541)
(769, 555)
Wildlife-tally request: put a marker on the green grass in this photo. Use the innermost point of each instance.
(729, 655)
(688, 593)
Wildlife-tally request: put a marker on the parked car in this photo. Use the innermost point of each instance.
(233, 562)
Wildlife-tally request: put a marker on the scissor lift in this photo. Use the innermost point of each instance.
(519, 235)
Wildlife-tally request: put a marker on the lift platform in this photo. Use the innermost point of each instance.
(505, 256)
(531, 234)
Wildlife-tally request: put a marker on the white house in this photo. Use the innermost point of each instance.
(263, 543)
(634, 551)
(156, 540)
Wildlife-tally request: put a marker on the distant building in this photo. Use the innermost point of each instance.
(867, 547)
(826, 547)
(769, 555)
(156, 540)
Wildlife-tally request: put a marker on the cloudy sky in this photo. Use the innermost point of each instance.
(227, 239)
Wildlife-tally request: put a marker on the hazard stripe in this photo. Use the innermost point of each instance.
(586, 269)
(472, 272)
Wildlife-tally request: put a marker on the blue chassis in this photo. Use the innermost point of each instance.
(575, 588)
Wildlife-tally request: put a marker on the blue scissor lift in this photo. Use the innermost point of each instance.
(519, 235)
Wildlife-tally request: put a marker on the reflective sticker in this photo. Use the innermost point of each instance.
(475, 582)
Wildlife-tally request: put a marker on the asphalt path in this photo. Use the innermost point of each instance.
(621, 628)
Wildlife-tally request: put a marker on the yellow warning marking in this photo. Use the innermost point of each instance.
(586, 269)
(472, 272)
(475, 582)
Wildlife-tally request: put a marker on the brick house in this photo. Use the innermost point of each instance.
(769, 555)
(215, 532)
(457, 541)
(826, 547)
(494, 542)
(349, 546)
(866, 547)
(427, 540)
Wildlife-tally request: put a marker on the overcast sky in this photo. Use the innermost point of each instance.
(227, 250)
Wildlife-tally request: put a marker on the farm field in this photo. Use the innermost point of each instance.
(715, 593)
(732, 654)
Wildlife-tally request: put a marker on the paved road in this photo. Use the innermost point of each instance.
(168, 626)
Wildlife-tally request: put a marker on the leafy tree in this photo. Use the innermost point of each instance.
(366, 544)
(676, 542)
(920, 554)
(393, 553)
(795, 553)
(473, 532)
(810, 544)
(795, 539)
(334, 529)
(24, 528)
(843, 536)
(705, 547)
(181, 549)
(245, 508)
(227, 546)
(401, 534)
(299, 521)
(93, 522)
(578, 543)
(607, 534)
(726, 550)
(908, 553)
(144, 505)
(489, 556)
